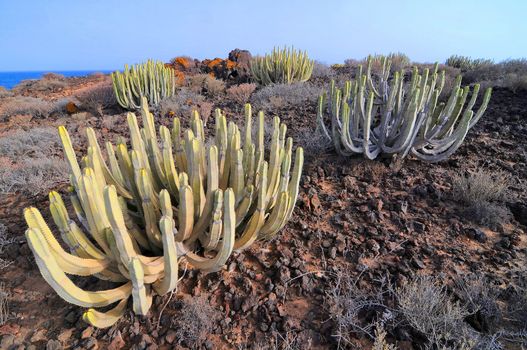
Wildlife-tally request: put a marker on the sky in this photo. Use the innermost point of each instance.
(106, 34)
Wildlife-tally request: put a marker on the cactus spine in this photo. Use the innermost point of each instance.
(151, 79)
(282, 66)
(386, 115)
(161, 201)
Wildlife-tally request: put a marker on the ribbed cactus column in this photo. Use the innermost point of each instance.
(282, 66)
(151, 79)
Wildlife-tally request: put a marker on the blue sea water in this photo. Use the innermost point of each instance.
(10, 79)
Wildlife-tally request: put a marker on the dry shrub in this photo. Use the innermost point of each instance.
(283, 95)
(480, 186)
(380, 342)
(35, 143)
(194, 322)
(322, 72)
(241, 93)
(480, 298)
(206, 85)
(97, 98)
(509, 73)
(183, 103)
(347, 304)
(33, 176)
(4, 92)
(34, 106)
(4, 304)
(426, 307)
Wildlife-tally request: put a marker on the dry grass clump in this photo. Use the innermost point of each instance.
(322, 72)
(347, 304)
(206, 85)
(426, 307)
(97, 98)
(33, 176)
(19, 105)
(285, 96)
(194, 322)
(480, 186)
(481, 192)
(380, 342)
(34, 143)
(5, 241)
(183, 103)
(241, 93)
(4, 92)
(4, 304)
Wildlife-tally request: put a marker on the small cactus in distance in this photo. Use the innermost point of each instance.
(282, 66)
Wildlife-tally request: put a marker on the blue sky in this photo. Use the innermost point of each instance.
(106, 34)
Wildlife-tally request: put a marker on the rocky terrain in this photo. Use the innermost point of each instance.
(335, 276)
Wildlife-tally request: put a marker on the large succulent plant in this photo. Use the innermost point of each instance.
(159, 201)
(282, 66)
(383, 114)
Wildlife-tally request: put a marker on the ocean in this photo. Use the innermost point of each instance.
(10, 79)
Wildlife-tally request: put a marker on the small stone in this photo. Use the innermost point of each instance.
(117, 342)
(91, 343)
(171, 336)
(87, 332)
(264, 327)
(6, 341)
(53, 345)
(209, 345)
(333, 252)
(71, 317)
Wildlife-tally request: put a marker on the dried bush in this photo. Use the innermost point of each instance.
(4, 92)
(33, 176)
(194, 322)
(241, 93)
(480, 186)
(4, 304)
(283, 95)
(480, 298)
(509, 73)
(4, 242)
(18, 105)
(37, 142)
(183, 103)
(466, 63)
(426, 307)
(323, 72)
(488, 214)
(380, 342)
(347, 304)
(97, 98)
(206, 85)
(399, 62)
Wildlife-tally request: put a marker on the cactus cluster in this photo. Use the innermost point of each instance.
(151, 79)
(384, 114)
(162, 200)
(282, 66)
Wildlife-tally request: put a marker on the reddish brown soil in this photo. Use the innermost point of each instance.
(350, 216)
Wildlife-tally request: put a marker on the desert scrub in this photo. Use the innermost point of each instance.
(195, 321)
(183, 103)
(4, 304)
(38, 142)
(280, 96)
(509, 73)
(97, 98)
(4, 92)
(427, 308)
(204, 84)
(241, 93)
(49, 82)
(322, 72)
(466, 63)
(480, 186)
(152, 80)
(282, 66)
(26, 105)
(32, 176)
